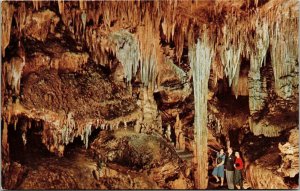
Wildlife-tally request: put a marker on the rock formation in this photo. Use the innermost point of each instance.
(140, 94)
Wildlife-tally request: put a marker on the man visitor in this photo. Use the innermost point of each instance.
(229, 165)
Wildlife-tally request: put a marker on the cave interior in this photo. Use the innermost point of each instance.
(143, 94)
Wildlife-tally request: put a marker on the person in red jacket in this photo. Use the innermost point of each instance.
(238, 165)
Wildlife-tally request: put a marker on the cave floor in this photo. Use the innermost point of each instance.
(54, 172)
(76, 170)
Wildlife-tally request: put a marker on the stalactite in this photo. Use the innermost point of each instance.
(284, 55)
(7, 16)
(257, 87)
(127, 52)
(15, 123)
(95, 22)
(13, 70)
(149, 48)
(24, 139)
(231, 49)
(200, 57)
(82, 5)
(232, 40)
(242, 87)
(277, 32)
(148, 67)
(264, 127)
(236, 81)
(70, 121)
(83, 19)
(111, 14)
(61, 7)
(218, 72)
(67, 132)
(37, 5)
(99, 45)
(180, 36)
(148, 19)
(20, 17)
(86, 134)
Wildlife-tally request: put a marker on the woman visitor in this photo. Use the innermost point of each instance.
(219, 169)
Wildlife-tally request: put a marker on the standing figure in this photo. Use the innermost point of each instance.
(219, 169)
(238, 165)
(229, 165)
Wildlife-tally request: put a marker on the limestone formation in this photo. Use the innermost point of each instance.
(104, 88)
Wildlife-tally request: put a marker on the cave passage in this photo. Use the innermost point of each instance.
(25, 144)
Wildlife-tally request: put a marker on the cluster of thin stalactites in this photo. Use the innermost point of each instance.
(135, 41)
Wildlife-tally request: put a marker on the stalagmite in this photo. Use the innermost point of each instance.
(200, 57)
(151, 114)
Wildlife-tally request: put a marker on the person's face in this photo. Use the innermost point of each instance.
(229, 150)
(221, 151)
(237, 154)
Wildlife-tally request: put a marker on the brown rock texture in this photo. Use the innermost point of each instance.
(145, 154)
